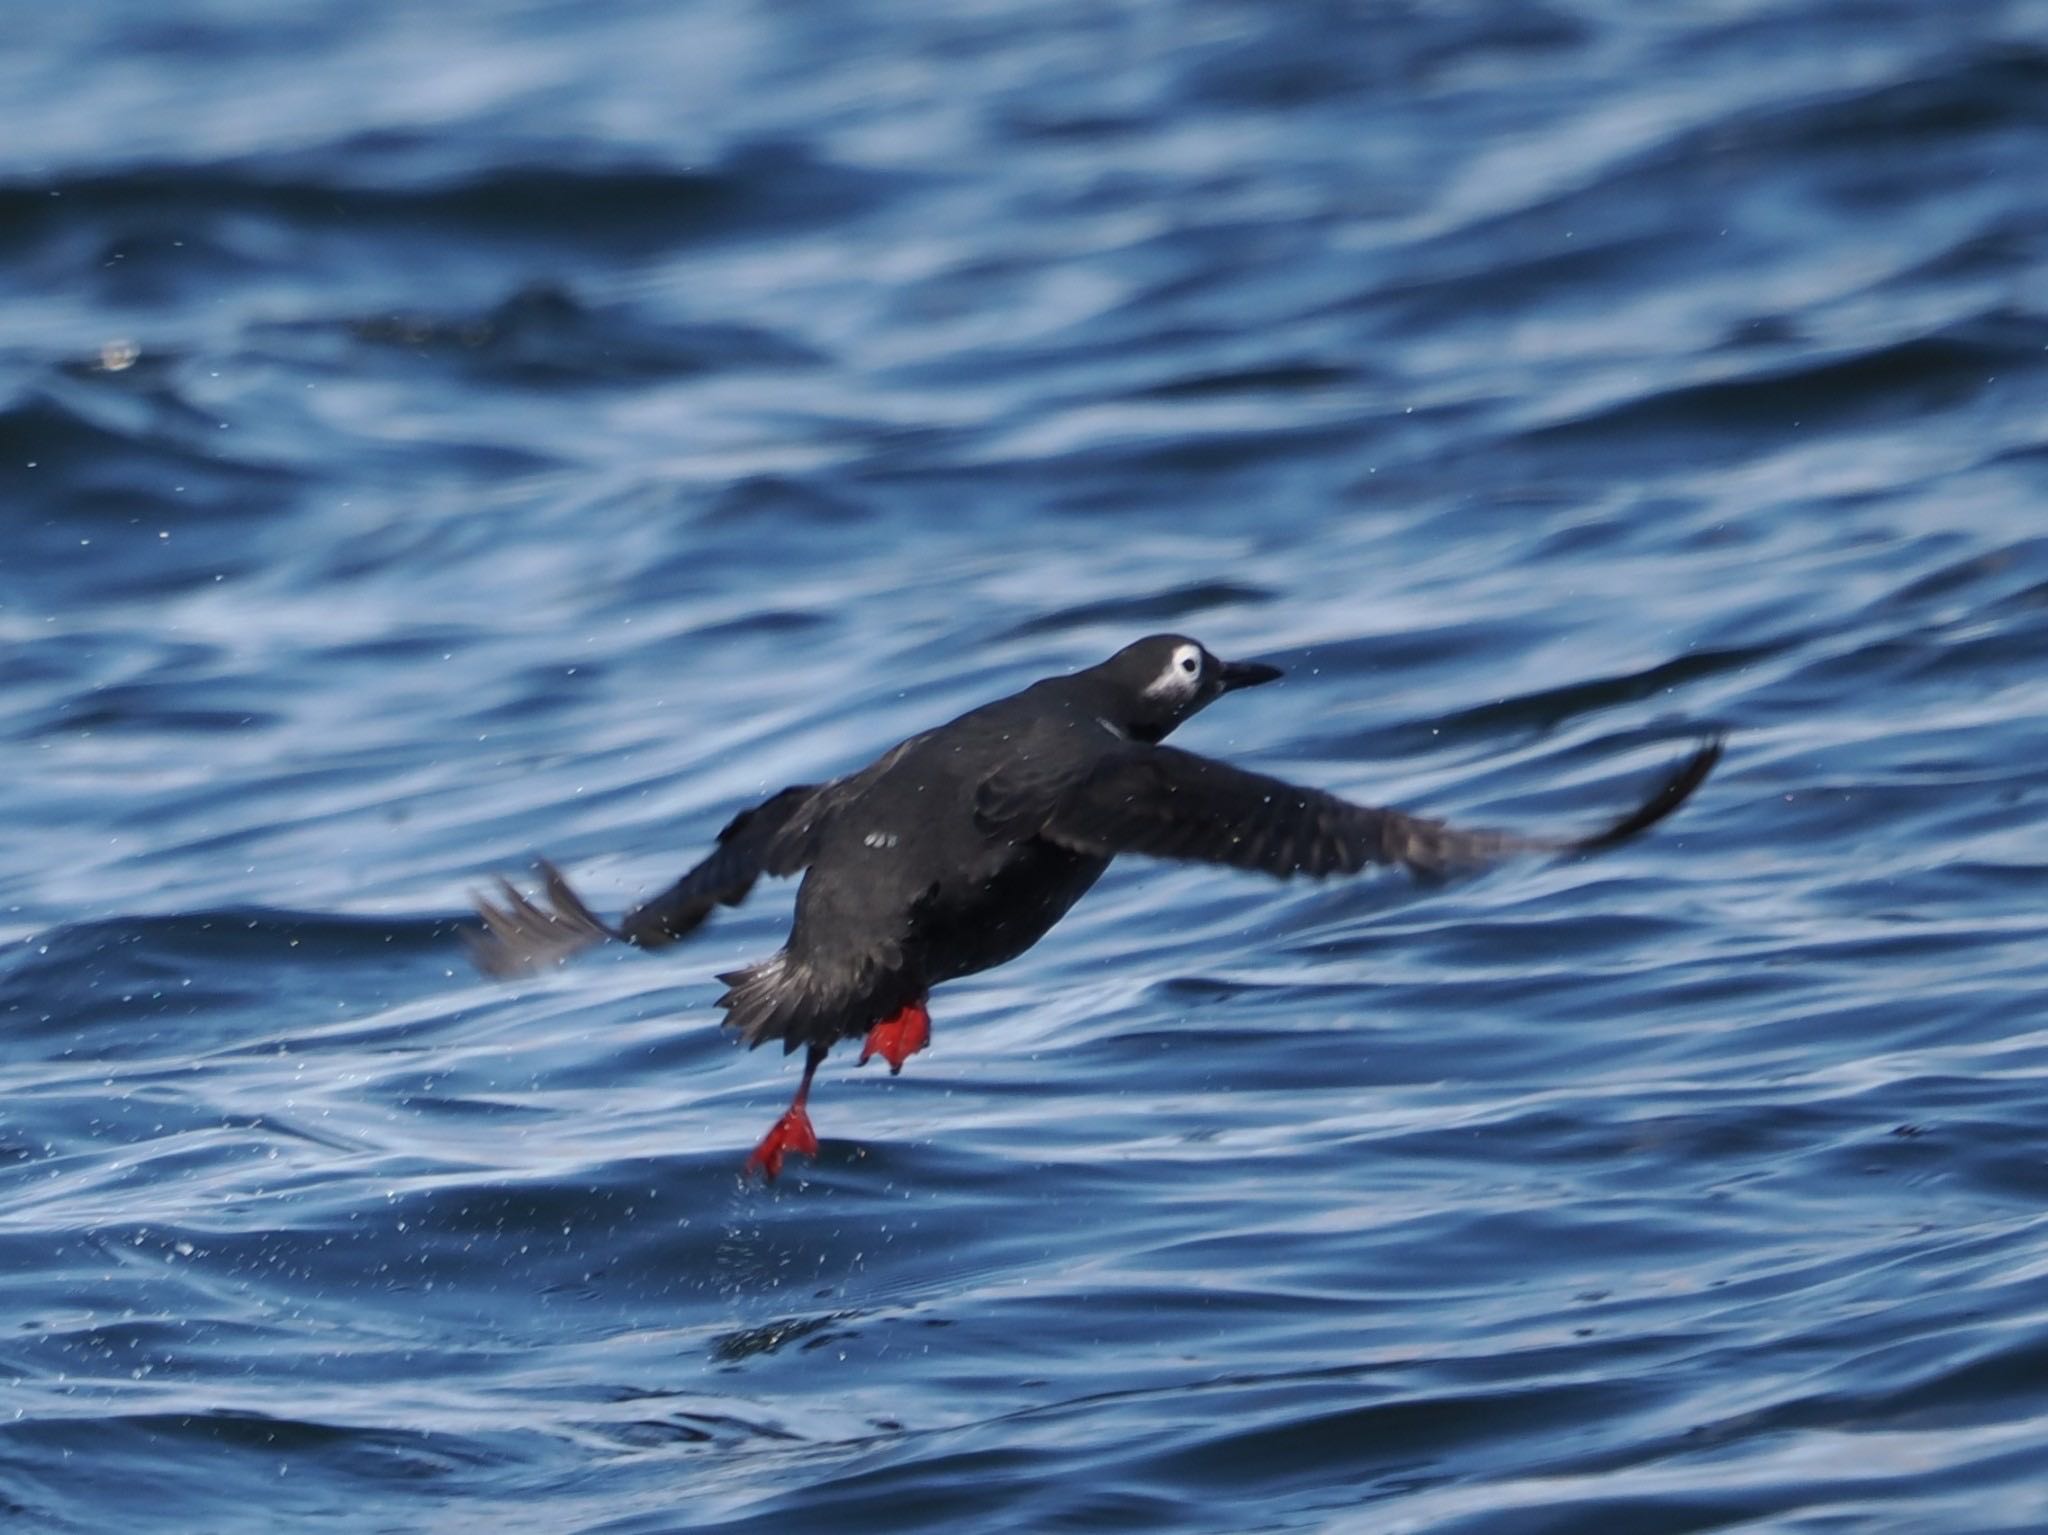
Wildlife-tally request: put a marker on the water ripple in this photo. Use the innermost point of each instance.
(425, 444)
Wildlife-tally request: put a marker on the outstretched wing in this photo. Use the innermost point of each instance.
(778, 836)
(1167, 803)
(754, 842)
(521, 934)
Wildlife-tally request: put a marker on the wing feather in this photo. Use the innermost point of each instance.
(1167, 803)
(521, 933)
(779, 836)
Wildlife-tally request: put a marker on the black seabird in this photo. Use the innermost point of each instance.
(959, 849)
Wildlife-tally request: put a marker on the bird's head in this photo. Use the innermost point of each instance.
(1148, 688)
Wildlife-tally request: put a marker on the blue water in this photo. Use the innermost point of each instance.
(434, 436)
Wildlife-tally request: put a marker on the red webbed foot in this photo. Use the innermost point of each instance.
(792, 1132)
(897, 1039)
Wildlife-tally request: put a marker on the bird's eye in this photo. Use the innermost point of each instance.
(1181, 678)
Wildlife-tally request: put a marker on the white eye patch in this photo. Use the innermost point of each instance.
(1182, 676)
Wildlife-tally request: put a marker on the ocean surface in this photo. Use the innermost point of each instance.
(437, 436)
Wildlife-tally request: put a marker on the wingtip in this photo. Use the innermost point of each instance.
(520, 936)
(1704, 759)
(1676, 789)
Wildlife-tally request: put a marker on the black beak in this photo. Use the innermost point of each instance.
(1245, 674)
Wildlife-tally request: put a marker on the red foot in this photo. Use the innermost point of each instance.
(901, 1037)
(792, 1132)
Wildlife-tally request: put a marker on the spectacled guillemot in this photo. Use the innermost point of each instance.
(959, 849)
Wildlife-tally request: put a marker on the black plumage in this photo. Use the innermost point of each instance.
(959, 849)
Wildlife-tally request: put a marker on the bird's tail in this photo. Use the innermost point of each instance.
(766, 1001)
(785, 998)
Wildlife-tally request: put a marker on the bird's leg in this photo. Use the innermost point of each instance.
(897, 1039)
(793, 1131)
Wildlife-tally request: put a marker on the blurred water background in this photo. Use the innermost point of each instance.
(437, 434)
